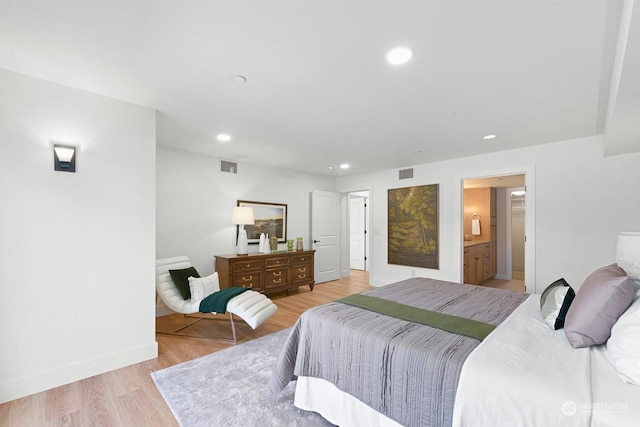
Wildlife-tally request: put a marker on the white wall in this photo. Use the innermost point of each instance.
(580, 201)
(76, 249)
(195, 200)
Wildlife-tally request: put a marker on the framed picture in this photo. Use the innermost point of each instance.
(413, 226)
(269, 218)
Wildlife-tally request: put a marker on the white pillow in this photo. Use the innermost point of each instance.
(555, 302)
(551, 308)
(202, 287)
(624, 344)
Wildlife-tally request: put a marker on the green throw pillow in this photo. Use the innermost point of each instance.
(181, 280)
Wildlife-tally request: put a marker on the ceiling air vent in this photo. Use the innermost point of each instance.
(229, 167)
(406, 173)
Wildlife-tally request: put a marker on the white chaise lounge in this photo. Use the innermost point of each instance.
(252, 307)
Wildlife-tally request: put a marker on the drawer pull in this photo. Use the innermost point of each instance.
(277, 273)
(302, 276)
(247, 279)
(301, 258)
(277, 281)
(302, 270)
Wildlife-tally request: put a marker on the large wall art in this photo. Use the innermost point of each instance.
(413, 226)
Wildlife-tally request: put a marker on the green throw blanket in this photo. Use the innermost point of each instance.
(217, 301)
(446, 322)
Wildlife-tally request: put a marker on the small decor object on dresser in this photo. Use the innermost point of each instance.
(299, 244)
(273, 243)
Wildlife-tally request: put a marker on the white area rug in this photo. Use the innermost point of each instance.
(228, 388)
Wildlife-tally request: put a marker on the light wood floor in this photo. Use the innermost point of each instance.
(515, 284)
(129, 397)
(512, 285)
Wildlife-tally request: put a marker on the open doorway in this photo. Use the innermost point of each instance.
(494, 231)
(358, 233)
(517, 203)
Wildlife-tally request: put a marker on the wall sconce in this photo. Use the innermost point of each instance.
(242, 216)
(64, 158)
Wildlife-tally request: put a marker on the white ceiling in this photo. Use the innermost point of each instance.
(506, 181)
(318, 90)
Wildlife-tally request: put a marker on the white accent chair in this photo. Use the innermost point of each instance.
(252, 307)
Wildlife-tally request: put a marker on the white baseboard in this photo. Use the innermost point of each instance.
(35, 383)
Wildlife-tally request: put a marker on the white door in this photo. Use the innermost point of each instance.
(325, 226)
(357, 230)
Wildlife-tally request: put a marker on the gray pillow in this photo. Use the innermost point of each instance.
(601, 299)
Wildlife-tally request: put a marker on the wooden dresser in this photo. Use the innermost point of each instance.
(266, 273)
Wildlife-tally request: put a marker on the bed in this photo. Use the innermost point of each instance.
(358, 367)
(404, 370)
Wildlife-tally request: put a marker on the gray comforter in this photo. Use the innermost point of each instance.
(407, 371)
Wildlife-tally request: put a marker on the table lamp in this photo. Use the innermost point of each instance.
(242, 216)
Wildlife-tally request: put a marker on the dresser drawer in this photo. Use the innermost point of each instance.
(276, 277)
(302, 259)
(249, 279)
(248, 265)
(276, 262)
(302, 273)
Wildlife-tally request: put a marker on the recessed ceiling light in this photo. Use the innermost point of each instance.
(223, 137)
(489, 136)
(329, 167)
(399, 55)
(344, 166)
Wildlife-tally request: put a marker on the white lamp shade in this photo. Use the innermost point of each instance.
(628, 253)
(242, 215)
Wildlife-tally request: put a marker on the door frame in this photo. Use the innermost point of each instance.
(345, 245)
(530, 220)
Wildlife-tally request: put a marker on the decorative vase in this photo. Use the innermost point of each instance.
(299, 245)
(273, 243)
(289, 245)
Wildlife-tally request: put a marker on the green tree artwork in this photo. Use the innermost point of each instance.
(413, 226)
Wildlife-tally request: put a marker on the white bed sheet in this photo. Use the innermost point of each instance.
(615, 403)
(524, 374)
(336, 406)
